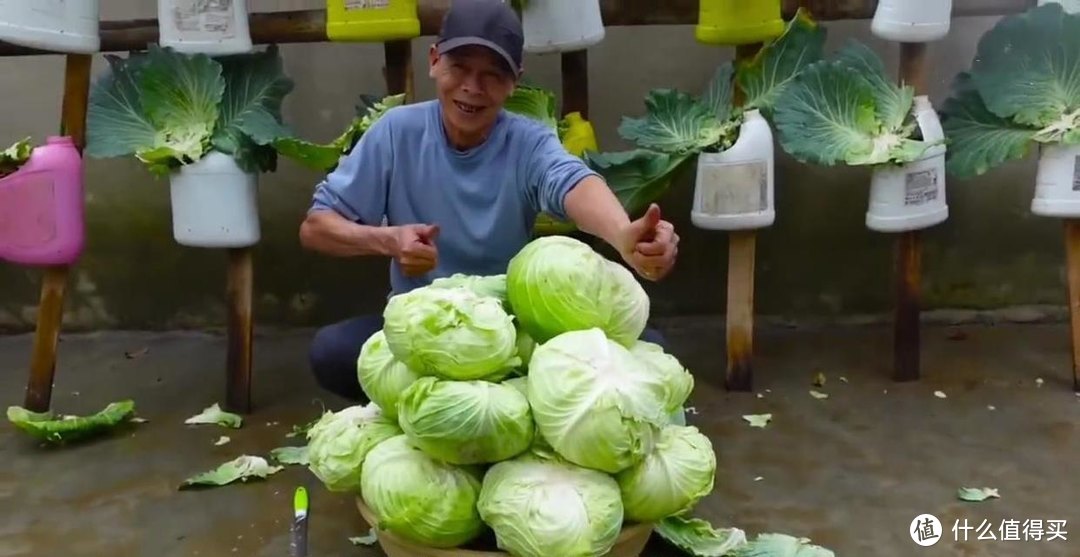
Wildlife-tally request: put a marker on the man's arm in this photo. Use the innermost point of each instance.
(329, 233)
(594, 209)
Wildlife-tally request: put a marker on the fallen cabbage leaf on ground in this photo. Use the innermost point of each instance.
(291, 455)
(215, 415)
(701, 539)
(977, 494)
(58, 430)
(241, 468)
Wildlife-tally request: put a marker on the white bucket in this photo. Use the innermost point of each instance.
(215, 204)
(1057, 182)
(214, 27)
(912, 21)
(912, 196)
(1071, 6)
(561, 25)
(734, 189)
(54, 25)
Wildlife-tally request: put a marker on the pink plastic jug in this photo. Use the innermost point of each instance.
(41, 207)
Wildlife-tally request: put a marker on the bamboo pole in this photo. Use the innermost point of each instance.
(399, 69)
(38, 396)
(742, 245)
(575, 82)
(908, 269)
(309, 26)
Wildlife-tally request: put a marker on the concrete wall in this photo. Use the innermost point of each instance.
(818, 259)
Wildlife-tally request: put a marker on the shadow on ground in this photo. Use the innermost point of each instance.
(849, 472)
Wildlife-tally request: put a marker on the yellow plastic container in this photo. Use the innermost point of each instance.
(371, 20)
(735, 22)
(580, 136)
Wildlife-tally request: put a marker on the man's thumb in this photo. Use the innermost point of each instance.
(649, 220)
(428, 233)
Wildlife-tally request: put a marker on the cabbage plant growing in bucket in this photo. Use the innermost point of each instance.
(1023, 89)
(732, 145)
(208, 124)
(845, 110)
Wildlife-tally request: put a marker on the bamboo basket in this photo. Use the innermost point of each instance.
(631, 542)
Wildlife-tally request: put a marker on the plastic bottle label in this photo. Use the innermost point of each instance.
(217, 17)
(366, 4)
(734, 188)
(1076, 174)
(920, 187)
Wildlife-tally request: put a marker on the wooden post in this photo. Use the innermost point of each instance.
(742, 245)
(38, 396)
(399, 69)
(575, 82)
(908, 268)
(238, 292)
(1072, 260)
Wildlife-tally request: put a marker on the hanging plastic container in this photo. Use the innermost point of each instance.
(735, 22)
(214, 27)
(912, 196)
(912, 21)
(580, 136)
(561, 25)
(371, 20)
(215, 204)
(734, 189)
(1057, 182)
(54, 25)
(41, 207)
(1071, 6)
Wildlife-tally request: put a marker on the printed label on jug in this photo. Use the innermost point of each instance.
(366, 4)
(734, 188)
(216, 17)
(1076, 174)
(920, 187)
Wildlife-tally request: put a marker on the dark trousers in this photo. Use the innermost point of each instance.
(336, 347)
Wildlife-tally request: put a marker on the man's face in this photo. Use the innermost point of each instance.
(472, 83)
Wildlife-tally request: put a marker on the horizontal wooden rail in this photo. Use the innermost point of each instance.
(309, 26)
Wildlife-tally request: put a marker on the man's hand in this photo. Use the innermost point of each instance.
(415, 248)
(649, 245)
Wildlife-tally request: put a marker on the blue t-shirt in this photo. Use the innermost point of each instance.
(485, 200)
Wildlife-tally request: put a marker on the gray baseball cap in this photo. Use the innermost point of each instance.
(490, 23)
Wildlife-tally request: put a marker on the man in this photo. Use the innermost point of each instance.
(459, 182)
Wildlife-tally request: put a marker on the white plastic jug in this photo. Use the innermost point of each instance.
(1071, 6)
(561, 25)
(1057, 182)
(912, 196)
(734, 189)
(55, 25)
(215, 204)
(214, 27)
(912, 21)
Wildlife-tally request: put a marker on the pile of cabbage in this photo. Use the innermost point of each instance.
(522, 407)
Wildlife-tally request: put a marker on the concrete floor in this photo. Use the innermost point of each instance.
(850, 472)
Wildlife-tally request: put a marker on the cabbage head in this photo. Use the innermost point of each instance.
(382, 377)
(557, 284)
(339, 443)
(452, 333)
(679, 381)
(419, 498)
(543, 507)
(484, 285)
(466, 422)
(594, 402)
(677, 473)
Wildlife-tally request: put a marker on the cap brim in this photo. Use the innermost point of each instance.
(458, 42)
